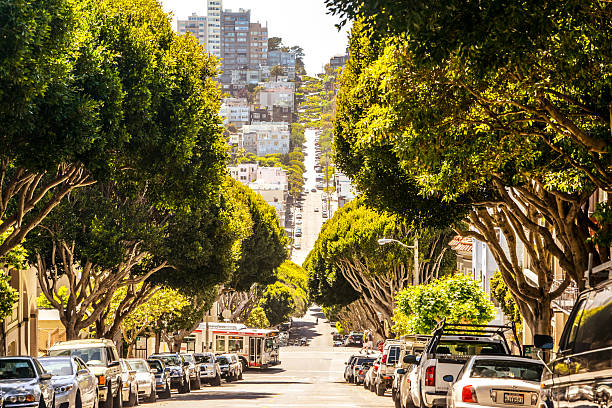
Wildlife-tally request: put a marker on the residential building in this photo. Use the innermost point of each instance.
(270, 97)
(338, 61)
(196, 25)
(273, 194)
(278, 84)
(260, 115)
(281, 58)
(282, 114)
(21, 326)
(244, 172)
(235, 27)
(344, 189)
(263, 138)
(213, 21)
(258, 46)
(235, 111)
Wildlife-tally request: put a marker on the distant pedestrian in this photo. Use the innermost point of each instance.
(370, 341)
(364, 341)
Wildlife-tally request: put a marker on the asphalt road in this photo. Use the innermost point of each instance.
(310, 376)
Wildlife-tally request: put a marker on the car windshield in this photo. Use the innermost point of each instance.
(91, 356)
(188, 358)
(521, 370)
(57, 366)
(223, 360)
(139, 366)
(206, 358)
(169, 360)
(469, 348)
(364, 361)
(13, 368)
(156, 364)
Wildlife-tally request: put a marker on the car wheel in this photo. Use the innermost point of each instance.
(365, 385)
(118, 400)
(197, 383)
(166, 393)
(77, 400)
(380, 390)
(240, 376)
(109, 398)
(153, 395)
(398, 402)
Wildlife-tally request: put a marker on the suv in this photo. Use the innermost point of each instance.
(102, 358)
(231, 367)
(209, 368)
(451, 345)
(179, 370)
(581, 371)
(409, 345)
(384, 376)
(194, 371)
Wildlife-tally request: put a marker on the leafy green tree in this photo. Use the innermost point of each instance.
(277, 302)
(500, 292)
(347, 263)
(274, 43)
(74, 113)
(8, 297)
(277, 71)
(257, 318)
(458, 299)
(295, 278)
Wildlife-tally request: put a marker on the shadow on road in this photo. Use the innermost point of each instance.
(219, 395)
(276, 382)
(273, 370)
(304, 329)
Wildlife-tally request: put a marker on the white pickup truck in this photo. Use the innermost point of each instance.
(450, 347)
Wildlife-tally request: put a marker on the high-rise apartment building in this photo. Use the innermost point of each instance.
(258, 46)
(196, 25)
(235, 27)
(213, 44)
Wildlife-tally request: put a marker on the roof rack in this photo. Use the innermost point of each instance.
(482, 330)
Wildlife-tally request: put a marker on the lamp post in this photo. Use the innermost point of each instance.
(415, 248)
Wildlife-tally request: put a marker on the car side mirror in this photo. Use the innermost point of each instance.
(543, 341)
(45, 376)
(448, 378)
(113, 363)
(154, 370)
(401, 371)
(410, 359)
(82, 371)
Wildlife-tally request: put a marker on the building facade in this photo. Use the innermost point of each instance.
(196, 25)
(263, 138)
(235, 27)
(271, 97)
(282, 114)
(213, 21)
(235, 111)
(258, 46)
(260, 115)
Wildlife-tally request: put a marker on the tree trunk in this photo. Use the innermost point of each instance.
(2, 338)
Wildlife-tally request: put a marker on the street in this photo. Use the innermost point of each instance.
(309, 376)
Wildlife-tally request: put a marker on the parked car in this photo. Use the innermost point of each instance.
(74, 383)
(354, 339)
(314, 190)
(129, 384)
(145, 379)
(338, 343)
(102, 359)
(210, 372)
(361, 372)
(405, 374)
(350, 364)
(450, 347)
(179, 376)
(297, 245)
(496, 381)
(162, 378)
(384, 376)
(316, 209)
(229, 367)
(358, 366)
(368, 381)
(298, 216)
(581, 371)
(25, 383)
(194, 371)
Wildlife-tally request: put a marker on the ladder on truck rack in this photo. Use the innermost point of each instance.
(481, 330)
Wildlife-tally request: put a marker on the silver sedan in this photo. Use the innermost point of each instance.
(75, 385)
(145, 379)
(24, 383)
(496, 381)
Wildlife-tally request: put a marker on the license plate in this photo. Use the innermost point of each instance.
(512, 398)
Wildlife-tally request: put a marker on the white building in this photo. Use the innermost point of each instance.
(235, 111)
(275, 195)
(344, 189)
(213, 43)
(245, 172)
(263, 138)
(281, 96)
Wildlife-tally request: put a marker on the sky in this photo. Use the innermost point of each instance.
(297, 22)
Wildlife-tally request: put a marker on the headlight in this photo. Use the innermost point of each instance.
(21, 398)
(534, 398)
(63, 388)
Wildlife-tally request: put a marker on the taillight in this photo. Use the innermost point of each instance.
(468, 394)
(360, 372)
(101, 380)
(430, 376)
(384, 359)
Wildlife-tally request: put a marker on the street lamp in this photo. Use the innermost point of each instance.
(384, 241)
(415, 247)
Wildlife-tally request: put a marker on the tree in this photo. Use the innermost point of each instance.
(458, 299)
(274, 43)
(277, 302)
(347, 263)
(446, 131)
(8, 297)
(74, 113)
(257, 319)
(277, 71)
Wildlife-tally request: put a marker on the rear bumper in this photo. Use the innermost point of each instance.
(435, 398)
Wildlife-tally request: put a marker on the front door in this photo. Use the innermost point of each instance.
(252, 351)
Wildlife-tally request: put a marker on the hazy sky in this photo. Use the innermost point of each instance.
(298, 22)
